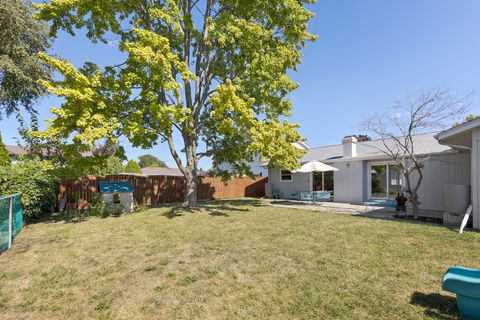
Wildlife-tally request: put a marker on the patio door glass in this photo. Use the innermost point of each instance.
(379, 181)
(394, 180)
(385, 181)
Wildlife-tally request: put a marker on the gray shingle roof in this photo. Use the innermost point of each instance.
(16, 150)
(424, 144)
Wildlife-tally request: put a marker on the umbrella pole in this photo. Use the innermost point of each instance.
(323, 181)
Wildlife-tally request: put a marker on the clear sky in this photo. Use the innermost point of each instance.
(369, 53)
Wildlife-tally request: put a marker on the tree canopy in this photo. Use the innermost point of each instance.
(468, 118)
(22, 37)
(132, 166)
(4, 156)
(148, 160)
(112, 165)
(211, 71)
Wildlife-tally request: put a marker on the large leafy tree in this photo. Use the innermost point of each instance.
(213, 71)
(148, 160)
(132, 166)
(21, 39)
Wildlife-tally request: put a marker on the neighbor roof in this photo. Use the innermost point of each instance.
(424, 144)
(16, 150)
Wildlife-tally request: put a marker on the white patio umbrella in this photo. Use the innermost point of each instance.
(316, 166)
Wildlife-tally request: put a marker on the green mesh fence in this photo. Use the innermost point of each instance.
(15, 201)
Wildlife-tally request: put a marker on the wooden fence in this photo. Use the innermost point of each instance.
(153, 190)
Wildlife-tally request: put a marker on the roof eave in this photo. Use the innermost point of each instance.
(455, 131)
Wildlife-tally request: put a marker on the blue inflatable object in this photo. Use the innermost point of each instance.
(466, 284)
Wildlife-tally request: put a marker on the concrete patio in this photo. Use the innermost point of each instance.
(386, 213)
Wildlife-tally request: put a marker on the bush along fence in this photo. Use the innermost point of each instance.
(11, 219)
(153, 190)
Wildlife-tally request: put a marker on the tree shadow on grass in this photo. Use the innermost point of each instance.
(436, 305)
(215, 208)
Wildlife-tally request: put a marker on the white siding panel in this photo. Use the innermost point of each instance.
(300, 182)
(441, 169)
(349, 182)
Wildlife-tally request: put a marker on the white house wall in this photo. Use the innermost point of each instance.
(299, 182)
(349, 182)
(475, 165)
(441, 169)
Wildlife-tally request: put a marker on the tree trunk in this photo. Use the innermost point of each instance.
(414, 200)
(191, 175)
(412, 194)
(191, 188)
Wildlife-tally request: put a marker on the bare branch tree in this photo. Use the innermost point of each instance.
(423, 111)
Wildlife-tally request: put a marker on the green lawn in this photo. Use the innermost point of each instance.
(232, 260)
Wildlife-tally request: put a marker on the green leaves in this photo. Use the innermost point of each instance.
(22, 38)
(4, 156)
(36, 183)
(215, 71)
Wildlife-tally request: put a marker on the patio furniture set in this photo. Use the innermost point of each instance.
(312, 196)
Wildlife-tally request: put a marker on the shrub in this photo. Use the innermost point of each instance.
(34, 180)
(97, 205)
(112, 210)
(4, 156)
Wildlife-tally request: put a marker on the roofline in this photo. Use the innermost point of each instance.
(458, 129)
(379, 139)
(383, 156)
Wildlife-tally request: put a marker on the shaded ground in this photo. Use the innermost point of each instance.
(232, 259)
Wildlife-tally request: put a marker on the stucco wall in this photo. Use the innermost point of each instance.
(349, 182)
(300, 182)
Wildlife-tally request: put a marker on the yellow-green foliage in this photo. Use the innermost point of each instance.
(4, 156)
(219, 75)
(132, 166)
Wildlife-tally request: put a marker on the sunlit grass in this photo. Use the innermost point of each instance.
(232, 260)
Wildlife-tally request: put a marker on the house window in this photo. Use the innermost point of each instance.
(285, 175)
(385, 180)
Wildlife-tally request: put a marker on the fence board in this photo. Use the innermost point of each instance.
(153, 190)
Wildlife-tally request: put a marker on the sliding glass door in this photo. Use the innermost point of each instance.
(385, 180)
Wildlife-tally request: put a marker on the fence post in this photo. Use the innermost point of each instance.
(10, 222)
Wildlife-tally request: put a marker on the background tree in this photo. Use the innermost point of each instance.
(212, 71)
(363, 137)
(148, 160)
(468, 118)
(112, 165)
(22, 37)
(4, 156)
(424, 111)
(132, 166)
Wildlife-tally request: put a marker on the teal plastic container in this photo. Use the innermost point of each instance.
(466, 284)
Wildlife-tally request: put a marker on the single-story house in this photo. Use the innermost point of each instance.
(365, 172)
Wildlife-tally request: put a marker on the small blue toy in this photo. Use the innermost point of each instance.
(466, 284)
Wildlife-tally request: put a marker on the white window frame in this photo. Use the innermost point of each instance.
(280, 177)
(369, 182)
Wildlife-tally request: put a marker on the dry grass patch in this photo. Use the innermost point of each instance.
(232, 259)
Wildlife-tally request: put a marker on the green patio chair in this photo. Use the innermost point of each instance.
(322, 196)
(307, 196)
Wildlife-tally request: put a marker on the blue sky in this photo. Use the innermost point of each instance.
(369, 53)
